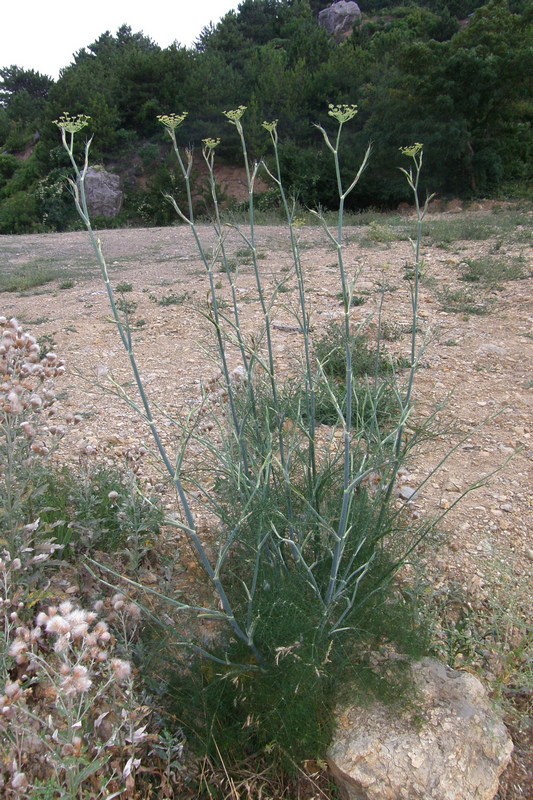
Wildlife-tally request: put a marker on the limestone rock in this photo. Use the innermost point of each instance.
(104, 196)
(455, 750)
(339, 18)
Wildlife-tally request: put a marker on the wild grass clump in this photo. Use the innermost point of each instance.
(492, 272)
(464, 301)
(27, 278)
(305, 534)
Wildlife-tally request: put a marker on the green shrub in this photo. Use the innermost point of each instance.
(19, 213)
(95, 508)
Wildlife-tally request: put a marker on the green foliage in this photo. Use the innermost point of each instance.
(414, 72)
(492, 271)
(19, 214)
(462, 301)
(331, 354)
(26, 278)
(96, 507)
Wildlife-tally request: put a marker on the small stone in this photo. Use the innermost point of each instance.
(453, 486)
(489, 349)
(407, 493)
(529, 554)
(508, 507)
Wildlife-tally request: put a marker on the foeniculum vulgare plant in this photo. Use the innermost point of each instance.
(309, 532)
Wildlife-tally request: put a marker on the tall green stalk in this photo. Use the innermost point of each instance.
(71, 126)
(343, 114)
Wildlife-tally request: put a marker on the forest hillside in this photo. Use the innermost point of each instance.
(455, 75)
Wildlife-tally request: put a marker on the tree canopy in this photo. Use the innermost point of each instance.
(455, 75)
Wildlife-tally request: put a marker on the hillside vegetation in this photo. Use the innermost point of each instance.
(456, 76)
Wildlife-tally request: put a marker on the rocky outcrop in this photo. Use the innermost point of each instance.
(104, 195)
(339, 19)
(455, 749)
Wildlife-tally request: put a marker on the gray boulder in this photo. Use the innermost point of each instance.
(456, 749)
(339, 19)
(104, 195)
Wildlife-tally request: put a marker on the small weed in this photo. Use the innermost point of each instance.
(99, 507)
(378, 234)
(229, 265)
(47, 343)
(462, 301)
(140, 323)
(330, 352)
(67, 284)
(122, 288)
(357, 299)
(173, 299)
(491, 271)
(126, 306)
(37, 321)
(391, 331)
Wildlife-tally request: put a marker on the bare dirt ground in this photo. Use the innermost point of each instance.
(478, 366)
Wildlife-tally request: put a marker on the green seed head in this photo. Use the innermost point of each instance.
(342, 113)
(72, 124)
(412, 151)
(210, 144)
(172, 121)
(235, 115)
(270, 126)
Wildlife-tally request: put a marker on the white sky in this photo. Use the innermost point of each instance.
(44, 34)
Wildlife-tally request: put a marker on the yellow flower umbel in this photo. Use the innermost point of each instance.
(270, 126)
(412, 150)
(72, 124)
(172, 121)
(342, 113)
(210, 144)
(235, 116)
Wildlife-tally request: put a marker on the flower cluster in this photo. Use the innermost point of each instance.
(172, 121)
(72, 124)
(412, 150)
(235, 115)
(342, 113)
(27, 394)
(24, 371)
(57, 697)
(210, 144)
(270, 126)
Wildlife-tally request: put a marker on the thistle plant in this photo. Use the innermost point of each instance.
(28, 428)
(304, 569)
(68, 708)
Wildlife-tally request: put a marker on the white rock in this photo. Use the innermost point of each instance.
(455, 749)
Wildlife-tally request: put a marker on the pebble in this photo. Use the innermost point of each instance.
(407, 493)
(529, 553)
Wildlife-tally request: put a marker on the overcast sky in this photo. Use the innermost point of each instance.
(44, 34)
